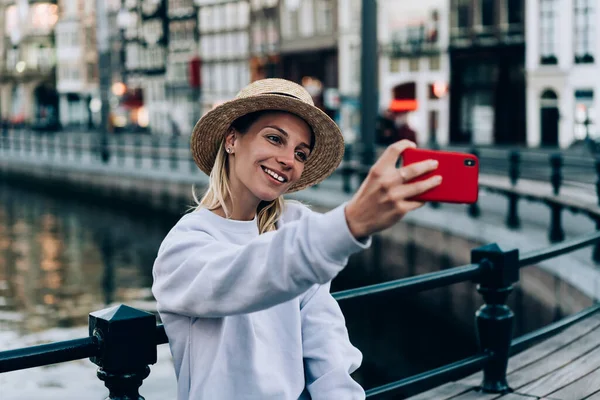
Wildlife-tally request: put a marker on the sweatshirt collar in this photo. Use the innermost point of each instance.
(230, 225)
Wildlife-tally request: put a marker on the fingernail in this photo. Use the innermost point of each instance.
(434, 163)
(437, 179)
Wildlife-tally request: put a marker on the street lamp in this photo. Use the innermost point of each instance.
(103, 43)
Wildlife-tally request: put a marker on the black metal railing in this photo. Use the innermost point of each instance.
(122, 340)
(114, 339)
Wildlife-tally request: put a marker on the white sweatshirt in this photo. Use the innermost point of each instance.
(250, 316)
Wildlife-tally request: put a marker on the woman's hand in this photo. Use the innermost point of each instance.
(381, 200)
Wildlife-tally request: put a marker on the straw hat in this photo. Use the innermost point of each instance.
(272, 94)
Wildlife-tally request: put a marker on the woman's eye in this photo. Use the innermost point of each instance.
(274, 138)
(301, 155)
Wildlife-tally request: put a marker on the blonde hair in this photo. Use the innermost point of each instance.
(218, 192)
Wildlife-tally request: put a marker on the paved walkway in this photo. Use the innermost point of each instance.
(564, 367)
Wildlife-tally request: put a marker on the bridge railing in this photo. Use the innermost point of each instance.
(122, 340)
(114, 342)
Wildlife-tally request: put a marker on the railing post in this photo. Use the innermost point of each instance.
(137, 148)
(556, 163)
(596, 253)
(128, 345)
(347, 169)
(514, 164)
(155, 151)
(174, 156)
(473, 209)
(494, 320)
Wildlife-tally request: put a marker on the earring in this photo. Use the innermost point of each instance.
(228, 150)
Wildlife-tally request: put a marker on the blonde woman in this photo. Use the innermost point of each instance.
(242, 283)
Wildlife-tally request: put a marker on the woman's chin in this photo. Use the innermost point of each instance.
(268, 195)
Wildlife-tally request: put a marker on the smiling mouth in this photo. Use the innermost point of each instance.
(274, 175)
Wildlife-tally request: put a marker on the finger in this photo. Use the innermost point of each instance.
(392, 152)
(412, 205)
(414, 170)
(413, 189)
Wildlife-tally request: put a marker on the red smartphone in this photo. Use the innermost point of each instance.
(459, 172)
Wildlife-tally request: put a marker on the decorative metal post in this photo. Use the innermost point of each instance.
(596, 253)
(137, 146)
(474, 210)
(347, 169)
(494, 320)
(155, 152)
(556, 233)
(174, 156)
(556, 163)
(514, 164)
(128, 345)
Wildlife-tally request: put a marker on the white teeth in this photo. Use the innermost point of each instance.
(274, 175)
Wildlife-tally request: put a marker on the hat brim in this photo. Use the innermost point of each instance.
(325, 157)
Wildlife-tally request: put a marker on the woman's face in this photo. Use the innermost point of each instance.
(269, 158)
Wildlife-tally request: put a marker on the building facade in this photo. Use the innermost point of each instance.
(27, 73)
(309, 47)
(414, 65)
(563, 80)
(487, 79)
(224, 46)
(77, 63)
(349, 28)
(265, 60)
(183, 68)
(143, 105)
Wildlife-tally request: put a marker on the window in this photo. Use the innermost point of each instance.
(324, 16)
(584, 31)
(462, 14)
(487, 12)
(394, 65)
(584, 113)
(434, 62)
(515, 11)
(548, 9)
(413, 64)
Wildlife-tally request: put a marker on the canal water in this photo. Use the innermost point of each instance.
(61, 258)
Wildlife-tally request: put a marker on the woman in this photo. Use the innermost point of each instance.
(242, 283)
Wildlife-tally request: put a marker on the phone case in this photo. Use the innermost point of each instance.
(459, 171)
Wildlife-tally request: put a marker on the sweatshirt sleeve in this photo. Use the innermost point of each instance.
(329, 357)
(198, 276)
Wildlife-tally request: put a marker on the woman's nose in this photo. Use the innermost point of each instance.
(286, 158)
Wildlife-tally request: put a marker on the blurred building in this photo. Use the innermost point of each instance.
(414, 65)
(487, 64)
(349, 28)
(143, 102)
(27, 71)
(309, 47)
(183, 67)
(224, 47)
(77, 62)
(562, 71)
(265, 61)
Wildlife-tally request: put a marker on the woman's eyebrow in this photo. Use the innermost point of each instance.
(284, 133)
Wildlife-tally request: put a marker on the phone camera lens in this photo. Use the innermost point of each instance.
(469, 162)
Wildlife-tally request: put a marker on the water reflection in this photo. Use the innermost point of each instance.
(59, 259)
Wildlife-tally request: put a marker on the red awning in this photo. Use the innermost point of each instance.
(403, 105)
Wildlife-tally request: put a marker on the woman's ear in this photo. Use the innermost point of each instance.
(230, 140)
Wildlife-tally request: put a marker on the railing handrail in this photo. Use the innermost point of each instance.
(493, 269)
(428, 281)
(45, 354)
